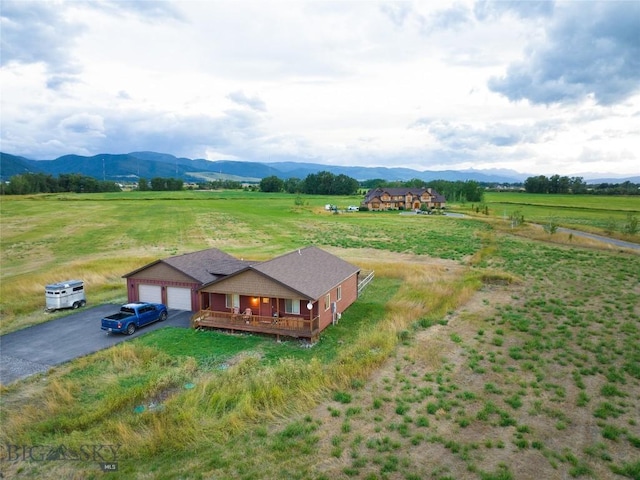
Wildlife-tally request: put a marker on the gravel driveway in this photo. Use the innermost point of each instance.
(38, 348)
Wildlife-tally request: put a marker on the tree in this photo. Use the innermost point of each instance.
(158, 184)
(271, 184)
(344, 185)
(293, 185)
(539, 184)
(143, 185)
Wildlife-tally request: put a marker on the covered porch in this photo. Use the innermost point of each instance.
(287, 326)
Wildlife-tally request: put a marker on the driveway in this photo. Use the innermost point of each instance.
(38, 348)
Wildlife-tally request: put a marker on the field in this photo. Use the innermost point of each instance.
(479, 351)
(592, 213)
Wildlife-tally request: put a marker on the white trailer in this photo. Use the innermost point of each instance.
(68, 294)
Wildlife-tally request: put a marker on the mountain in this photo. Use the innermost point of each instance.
(132, 166)
(11, 165)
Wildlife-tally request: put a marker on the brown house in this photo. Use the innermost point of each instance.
(403, 199)
(297, 294)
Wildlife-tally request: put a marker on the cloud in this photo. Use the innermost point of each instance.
(463, 136)
(255, 103)
(147, 10)
(44, 32)
(83, 123)
(487, 9)
(38, 32)
(591, 49)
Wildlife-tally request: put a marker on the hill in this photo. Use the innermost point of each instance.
(135, 165)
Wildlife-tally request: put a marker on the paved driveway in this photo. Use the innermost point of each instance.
(36, 349)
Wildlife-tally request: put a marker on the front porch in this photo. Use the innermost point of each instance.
(287, 326)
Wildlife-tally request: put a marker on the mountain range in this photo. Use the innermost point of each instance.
(130, 167)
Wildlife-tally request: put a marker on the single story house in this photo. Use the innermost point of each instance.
(410, 198)
(297, 294)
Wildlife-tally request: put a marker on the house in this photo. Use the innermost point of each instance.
(298, 294)
(409, 198)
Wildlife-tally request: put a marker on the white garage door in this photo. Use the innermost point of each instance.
(150, 293)
(179, 298)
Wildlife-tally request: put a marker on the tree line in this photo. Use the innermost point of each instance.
(32, 183)
(321, 183)
(159, 184)
(577, 185)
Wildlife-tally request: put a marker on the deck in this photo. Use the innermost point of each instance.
(296, 327)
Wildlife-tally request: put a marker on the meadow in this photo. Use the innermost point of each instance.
(478, 352)
(598, 214)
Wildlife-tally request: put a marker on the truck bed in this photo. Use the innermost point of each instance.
(118, 316)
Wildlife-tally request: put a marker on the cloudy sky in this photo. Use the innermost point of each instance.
(537, 87)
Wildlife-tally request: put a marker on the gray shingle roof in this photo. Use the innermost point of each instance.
(206, 266)
(310, 271)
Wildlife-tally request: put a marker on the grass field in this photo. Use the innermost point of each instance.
(477, 353)
(597, 214)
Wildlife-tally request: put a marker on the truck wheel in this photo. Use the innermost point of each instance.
(75, 305)
(83, 303)
(163, 316)
(131, 328)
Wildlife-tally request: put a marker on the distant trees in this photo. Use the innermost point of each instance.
(32, 183)
(224, 184)
(326, 183)
(321, 183)
(624, 188)
(293, 185)
(159, 184)
(555, 184)
(271, 184)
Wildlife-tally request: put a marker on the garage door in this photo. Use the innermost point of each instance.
(179, 298)
(150, 293)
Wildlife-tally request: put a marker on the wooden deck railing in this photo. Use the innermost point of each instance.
(286, 326)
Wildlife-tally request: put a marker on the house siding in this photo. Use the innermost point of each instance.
(349, 289)
(249, 283)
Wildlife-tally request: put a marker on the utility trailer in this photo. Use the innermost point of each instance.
(68, 294)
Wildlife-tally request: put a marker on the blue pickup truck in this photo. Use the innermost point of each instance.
(133, 316)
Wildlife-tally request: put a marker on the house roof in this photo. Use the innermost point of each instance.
(204, 266)
(310, 271)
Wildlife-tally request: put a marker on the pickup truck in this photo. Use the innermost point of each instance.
(133, 316)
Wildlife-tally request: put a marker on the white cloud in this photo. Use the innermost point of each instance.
(537, 87)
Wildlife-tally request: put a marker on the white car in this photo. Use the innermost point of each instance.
(352, 208)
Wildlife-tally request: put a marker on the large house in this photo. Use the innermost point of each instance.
(409, 198)
(298, 294)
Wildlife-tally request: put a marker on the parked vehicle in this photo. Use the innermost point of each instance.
(353, 208)
(133, 316)
(67, 294)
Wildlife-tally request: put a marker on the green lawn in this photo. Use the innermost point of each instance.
(594, 213)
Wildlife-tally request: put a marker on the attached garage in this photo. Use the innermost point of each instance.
(150, 293)
(173, 280)
(179, 298)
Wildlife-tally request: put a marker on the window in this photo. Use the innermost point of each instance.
(339, 293)
(292, 306)
(232, 300)
(327, 301)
